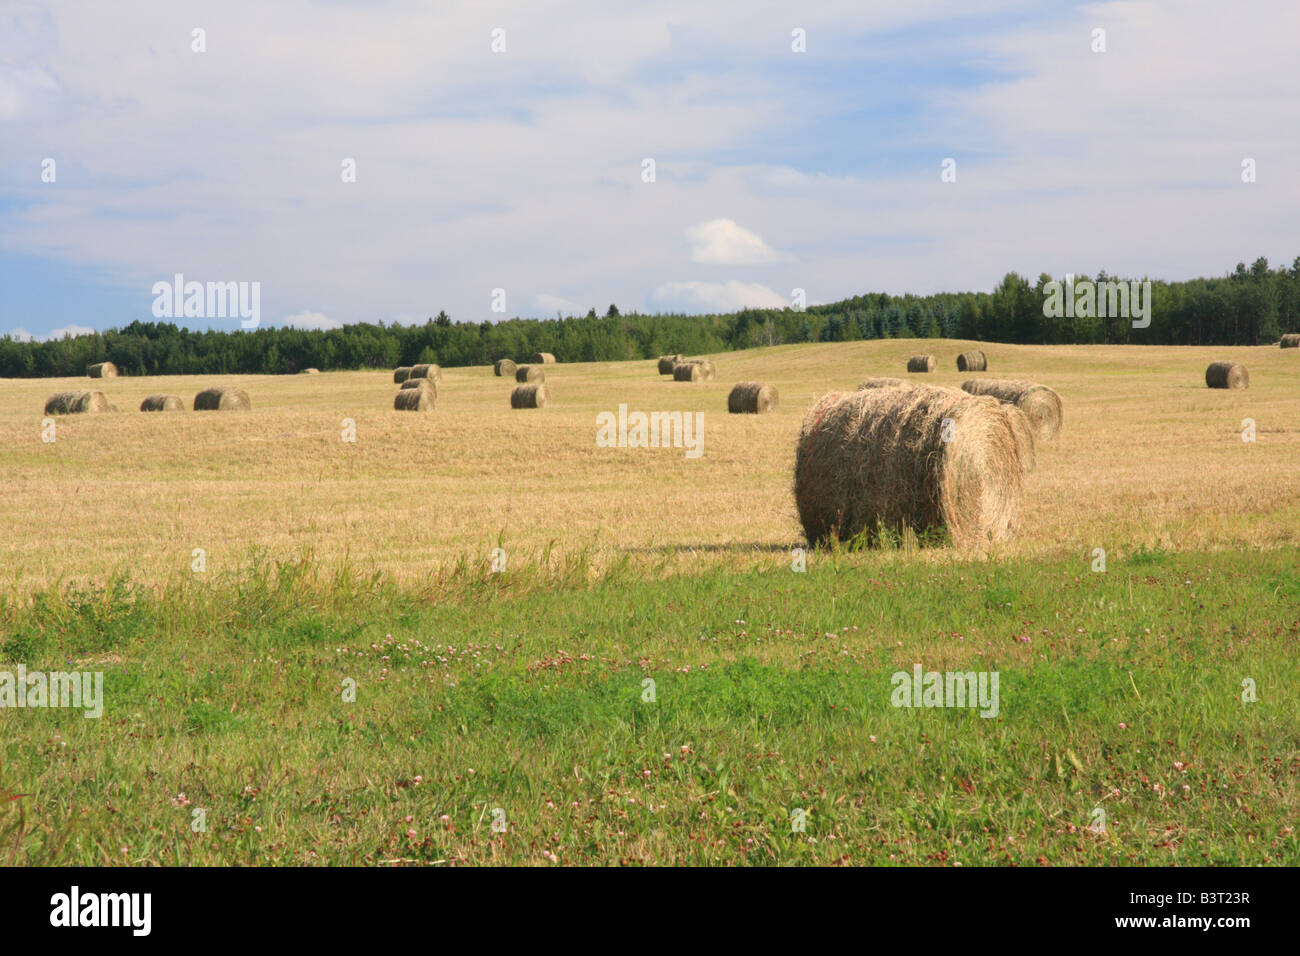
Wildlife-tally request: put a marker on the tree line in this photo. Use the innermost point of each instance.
(1249, 306)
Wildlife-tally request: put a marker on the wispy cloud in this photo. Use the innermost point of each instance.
(723, 242)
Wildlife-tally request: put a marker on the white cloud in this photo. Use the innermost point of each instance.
(20, 335)
(723, 242)
(546, 306)
(715, 296)
(310, 320)
(71, 331)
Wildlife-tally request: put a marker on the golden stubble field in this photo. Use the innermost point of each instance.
(1147, 456)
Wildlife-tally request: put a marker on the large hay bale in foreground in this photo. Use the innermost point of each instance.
(102, 370)
(421, 384)
(543, 358)
(426, 371)
(667, 363)
(530, 396)
(530, 373)
(1290, 341)
(876, 461)
(1227, 375)
(401, 374)
(224, 398)
(882, 383)
(695, 370)
(1041, 405)
(417, 399)
(975, 361)
(922, 363)
(162, 403)
(76, 403)
(504, 367)
(752, 398)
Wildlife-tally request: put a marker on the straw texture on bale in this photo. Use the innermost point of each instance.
(875, 460)
(426, 371)
(697, 370)
(400, 375)
(975, 361)
(922, 363)
(1041, 405)
(76, 403)
(102, 370)
(529, 396)
(415, 399)
(1290, 341)
(543, 358)
(422, 384)
(225, 398)
(667, 363)
(1227, 375)
(530, 373)
(882, 383)
(504, 367)
(162, 403)
(753, 398)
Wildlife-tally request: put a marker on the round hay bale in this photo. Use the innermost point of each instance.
(162, 403)
(421, 384)
(667, 363)
(401, 374)
(224, 398)
(1290, 341)
(975, 361)
(102, 370)
(1227, 375)
(530, 373)
(753, 398)
(922, 363)
(876, 460)
(882, 383)
(76, 403)
(415, 399)
(505, 367)
(695, 370)
(112, 407)
(1041, 405)
(543, 358)
(530, 396)
(426, 371)
(310, 371)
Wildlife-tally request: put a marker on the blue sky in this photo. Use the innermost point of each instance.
(521, 170)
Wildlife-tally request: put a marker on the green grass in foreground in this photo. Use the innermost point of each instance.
(525, 692)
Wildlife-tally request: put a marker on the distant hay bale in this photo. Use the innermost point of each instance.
(543, 358)
(416, 399)
(530, 373)
(695, 370)
(1041, 405)
(112, 407)
(667, 363)
(529, 396)
(225, 398)
(162, 403)
(922, 363)
(753, 398)
(310, 371)
(505, 367)
(1227, 375)
(876, 461)
(76, 403)
(400, 375)
(426, 371)
(102, 370)
(1291, 340)
(975, 361)
(882, 383)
